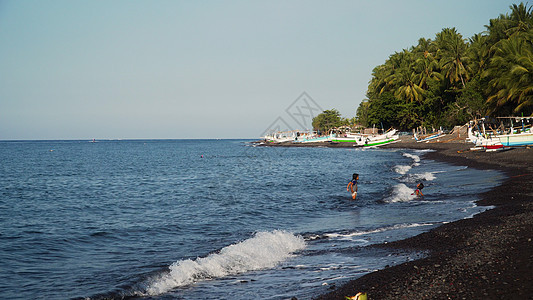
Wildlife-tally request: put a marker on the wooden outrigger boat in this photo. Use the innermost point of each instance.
(499, 139)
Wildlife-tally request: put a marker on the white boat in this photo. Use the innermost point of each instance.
(429, 137)
(280, 137)
(494, 140)
(483, 140)
(347, 138)
(522, 136)
(314, 138)
(378, 140)
(516, 139)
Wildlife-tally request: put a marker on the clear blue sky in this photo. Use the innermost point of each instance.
(200, 69)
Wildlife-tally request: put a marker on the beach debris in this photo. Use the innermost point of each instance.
(358, 296)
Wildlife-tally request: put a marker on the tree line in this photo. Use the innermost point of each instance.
(330, 119)
(450, 80)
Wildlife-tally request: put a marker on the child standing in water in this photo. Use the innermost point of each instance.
(352, 185)
(419, 188)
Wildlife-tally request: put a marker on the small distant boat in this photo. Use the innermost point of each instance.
(280, 137)
(429, 137)
(313, 137)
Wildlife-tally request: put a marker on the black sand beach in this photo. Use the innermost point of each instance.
(489, 256)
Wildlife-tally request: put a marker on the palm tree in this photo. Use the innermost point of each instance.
(520, 20)
(523, 72)
(452, 56)
(408, 85)
(497, 29)
(378, 84)
(425, 48)
(425, 63)
(383, 76)
(511, 75)
(478, 54)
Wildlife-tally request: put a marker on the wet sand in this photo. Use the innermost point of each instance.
(489, 256)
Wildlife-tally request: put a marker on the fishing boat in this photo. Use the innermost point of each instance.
(517, 139)
(427, 138)
(483, 141)
(347, 138)
(280, 137)
(313, 137)
(521, 136)
(378, 140)
(496, 139)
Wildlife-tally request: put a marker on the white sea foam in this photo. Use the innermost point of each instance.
(424, 150)
(264, 250)
(348, 236)
(415, 158)
(401, 193)
(402, 169)
(427, 176)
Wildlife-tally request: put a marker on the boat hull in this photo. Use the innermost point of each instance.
(521, 139)
(379, 143)
(344, 140)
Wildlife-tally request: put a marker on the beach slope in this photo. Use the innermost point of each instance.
(489, 256)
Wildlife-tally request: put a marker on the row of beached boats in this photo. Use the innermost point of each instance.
(485, 137)
(357, 139)
(480, 132)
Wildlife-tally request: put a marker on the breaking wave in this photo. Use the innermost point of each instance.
(427, 176)
(264, 250)
(400, 193)
(415, 158)
(402, 169)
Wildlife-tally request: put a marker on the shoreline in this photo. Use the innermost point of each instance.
(487, 256)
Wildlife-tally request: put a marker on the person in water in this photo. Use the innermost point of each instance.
(419, 188)
(352, 185)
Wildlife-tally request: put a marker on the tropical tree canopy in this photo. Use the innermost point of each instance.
(330, 119)
(450, 79)
(327, 120)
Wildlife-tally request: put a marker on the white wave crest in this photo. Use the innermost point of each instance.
(415, 158)
(427, 176)
(422, 151)
(401, 193)
(348, 236)
(402, 169)
(264, 250)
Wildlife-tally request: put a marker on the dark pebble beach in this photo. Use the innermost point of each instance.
(489, 256)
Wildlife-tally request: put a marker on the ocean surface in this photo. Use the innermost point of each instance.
(212, 219)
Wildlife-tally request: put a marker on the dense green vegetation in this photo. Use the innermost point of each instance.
(450, 80)
(329, 119)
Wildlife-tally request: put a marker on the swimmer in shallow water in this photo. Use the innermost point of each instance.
(352, 185)
(418, 190)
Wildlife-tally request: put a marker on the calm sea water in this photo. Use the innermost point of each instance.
(211, 219)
